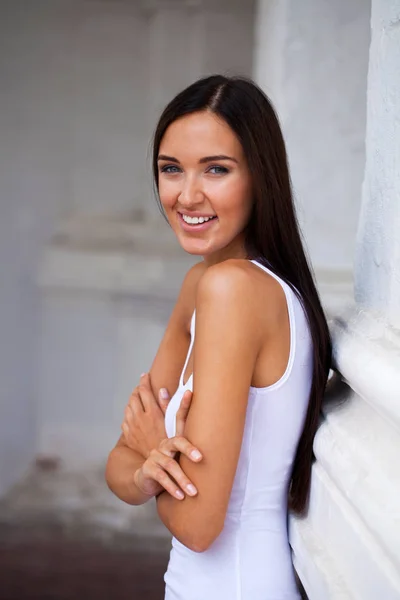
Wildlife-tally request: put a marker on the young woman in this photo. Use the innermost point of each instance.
(247, 336)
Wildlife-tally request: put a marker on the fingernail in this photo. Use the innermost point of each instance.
(179, 494)
(143, 374)
(191, 489)
(195, 454)
(164, 394)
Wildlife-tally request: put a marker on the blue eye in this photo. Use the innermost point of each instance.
(169, 169)
(218, 170)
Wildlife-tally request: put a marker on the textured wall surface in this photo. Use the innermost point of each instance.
(378, 250)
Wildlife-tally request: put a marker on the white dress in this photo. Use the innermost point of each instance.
(251, 558)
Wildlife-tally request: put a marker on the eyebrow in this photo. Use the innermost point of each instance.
(203, 160)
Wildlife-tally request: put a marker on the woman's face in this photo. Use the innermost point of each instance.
(205, 186)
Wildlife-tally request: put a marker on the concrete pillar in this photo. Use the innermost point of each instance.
(377, 268)
(349, 545)
(311, 58)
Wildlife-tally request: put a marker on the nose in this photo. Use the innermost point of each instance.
(190, 194)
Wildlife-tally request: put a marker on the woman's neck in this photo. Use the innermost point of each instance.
(234, 250)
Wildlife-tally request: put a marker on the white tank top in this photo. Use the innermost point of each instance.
(251, 558)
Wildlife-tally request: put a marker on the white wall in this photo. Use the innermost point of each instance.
(33, 194)
(71, 91)
(107, 69)
(378, 250)
(312, 58)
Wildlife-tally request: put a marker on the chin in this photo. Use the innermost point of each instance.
(195, 249)
(202, 247)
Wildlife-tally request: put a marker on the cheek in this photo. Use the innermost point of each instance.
(238, 200)
(167, 194)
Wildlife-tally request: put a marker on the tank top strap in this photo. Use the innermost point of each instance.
(290, 302)
(270, 272)
(192, 334)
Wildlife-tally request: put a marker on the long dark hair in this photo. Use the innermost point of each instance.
(272, 235)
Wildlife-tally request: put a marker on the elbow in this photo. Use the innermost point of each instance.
(195, 530)
(200, 540)
(113, 479)
(109, 475)
(199, 546)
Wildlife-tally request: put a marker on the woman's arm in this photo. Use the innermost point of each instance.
(123, 462)
(158, 473)
(228, 339)
(122, 465)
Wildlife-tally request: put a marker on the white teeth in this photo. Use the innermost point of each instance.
(195, 220)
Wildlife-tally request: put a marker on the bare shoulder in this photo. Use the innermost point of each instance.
(224, 278)
(239, 283)
(193, 276)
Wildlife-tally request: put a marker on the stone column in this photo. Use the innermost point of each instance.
(349, 545)
(377, 268)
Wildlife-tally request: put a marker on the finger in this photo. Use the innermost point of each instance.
(163, 399)
(135, 403)
(174, 470)
(180, 444)
(153, 470)
(129, 416)
(128, 421)
(183, 412)
(146, 392)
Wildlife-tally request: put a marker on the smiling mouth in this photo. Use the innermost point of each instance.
(196, 220)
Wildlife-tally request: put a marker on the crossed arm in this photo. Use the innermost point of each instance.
(225, 351)
(227, 343)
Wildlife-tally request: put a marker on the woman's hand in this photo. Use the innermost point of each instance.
(143, 425)
(162, 472)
